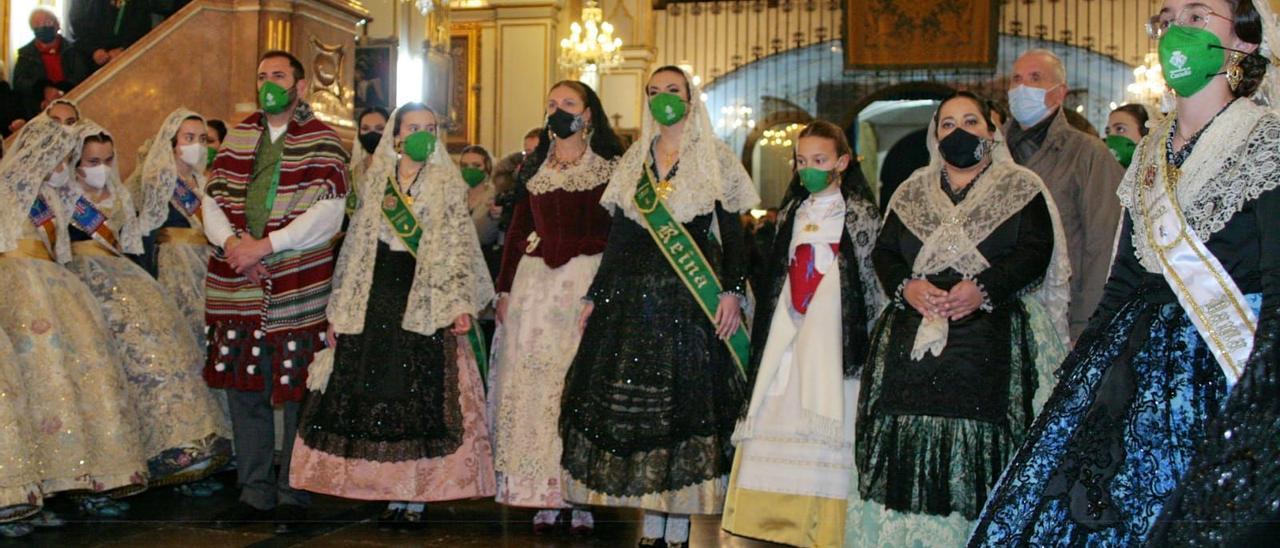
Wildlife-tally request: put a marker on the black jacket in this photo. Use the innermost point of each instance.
(29, 71)
(94, 23)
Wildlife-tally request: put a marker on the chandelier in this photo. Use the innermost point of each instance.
(779, 138)
(735, 117)
(1148, 83)
(591, 48)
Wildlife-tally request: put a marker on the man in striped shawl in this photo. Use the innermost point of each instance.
(275, 200)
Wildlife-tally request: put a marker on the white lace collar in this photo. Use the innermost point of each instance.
(1235, 160)
(589, 172)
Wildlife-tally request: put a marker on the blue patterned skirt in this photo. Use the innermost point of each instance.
(1116, 435)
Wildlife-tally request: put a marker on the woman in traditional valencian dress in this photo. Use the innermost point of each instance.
(85, 423)
(168, 201)
(1179, 322)
(185, 436)
(795, 448)
(401, 415)
(169, 192)
(975, 262)
(557, 234)
(658, 383)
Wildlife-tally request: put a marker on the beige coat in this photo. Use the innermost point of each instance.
(1083, 177)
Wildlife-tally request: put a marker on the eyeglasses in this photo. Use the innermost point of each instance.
(1196, 16)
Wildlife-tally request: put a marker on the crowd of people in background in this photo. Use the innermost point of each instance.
(1041, 336)
(59, 57)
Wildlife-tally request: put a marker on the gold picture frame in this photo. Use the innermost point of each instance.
(464, 49)
(920, 34)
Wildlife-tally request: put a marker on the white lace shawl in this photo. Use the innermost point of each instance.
(160, 173)
(709, 171)
(42, 144)
(1236, 159)
(1269, 92)
(357, 161)
(951, 233)
(591, 171)
(124, 217)
(451, 278)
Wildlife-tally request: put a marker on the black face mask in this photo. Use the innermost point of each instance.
(564, 124)
(369, 141)
(46, 34)
(962, 149)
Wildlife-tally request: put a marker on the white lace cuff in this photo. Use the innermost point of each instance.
(742, 299)
(986, 305)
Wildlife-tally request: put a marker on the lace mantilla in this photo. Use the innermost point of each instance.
(451, 278)
(160, 172)
(1235, 161)
(709, 171)
(41, 145)
(862, 229)
(591, 171)
(123, 216)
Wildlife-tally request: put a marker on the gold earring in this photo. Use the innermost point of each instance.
(1235, 74)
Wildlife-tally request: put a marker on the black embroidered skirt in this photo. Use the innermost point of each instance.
(393, 394)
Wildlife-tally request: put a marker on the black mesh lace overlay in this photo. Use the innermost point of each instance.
(393, 395)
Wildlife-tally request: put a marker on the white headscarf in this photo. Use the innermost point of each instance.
(160, 172)
(709, 171)
(128, 232)
(42, 144)
(451, 278)
(1003, 190)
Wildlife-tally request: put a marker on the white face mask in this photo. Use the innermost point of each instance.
(193, 154)
(59, 179)
(96, 176)
(1027, 104)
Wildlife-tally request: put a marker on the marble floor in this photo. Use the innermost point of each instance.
(162, 517)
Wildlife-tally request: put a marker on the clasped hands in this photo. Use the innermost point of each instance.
(964, 298)
(245, 253)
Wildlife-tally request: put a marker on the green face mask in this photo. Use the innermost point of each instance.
(473, 176)
(1122, 147)
(667, 108)
(272, 98)
(213, 153)
(419, 145)
(1189, 59)
(814, 180)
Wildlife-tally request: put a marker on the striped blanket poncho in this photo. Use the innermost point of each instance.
(282, 322)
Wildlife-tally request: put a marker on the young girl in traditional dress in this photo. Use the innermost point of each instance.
(658, 383)
(401, 415)
(795, 447)
(553, 248)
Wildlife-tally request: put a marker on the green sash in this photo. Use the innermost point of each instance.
(405, 226)
(689, 264)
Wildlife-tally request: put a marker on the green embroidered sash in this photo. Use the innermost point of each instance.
(689, 264)
(404, 225)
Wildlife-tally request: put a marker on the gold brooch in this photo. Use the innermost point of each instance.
(664, 189)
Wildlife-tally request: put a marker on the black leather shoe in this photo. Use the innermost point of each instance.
(413, 521)
(390, 519)
(240, 514)
(289, 518)
(653, 543)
